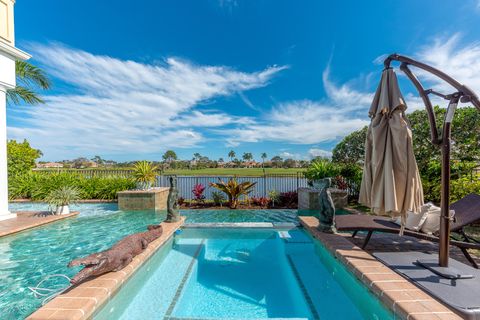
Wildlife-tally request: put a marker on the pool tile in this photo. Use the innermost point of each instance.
(67, 315)
(42, 314)
(78, 303)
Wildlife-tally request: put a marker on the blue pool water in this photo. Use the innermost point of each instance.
(243, 274)
(29, 256)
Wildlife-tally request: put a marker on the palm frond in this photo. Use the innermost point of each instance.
(29, 74)
(20, 93)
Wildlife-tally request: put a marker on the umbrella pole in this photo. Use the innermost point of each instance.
(444, 245)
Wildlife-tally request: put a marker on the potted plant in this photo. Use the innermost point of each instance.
(145, 174)
(61, 198)
(234, 190)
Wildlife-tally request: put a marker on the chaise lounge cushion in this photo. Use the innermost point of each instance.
(415, 220)
(432, 222)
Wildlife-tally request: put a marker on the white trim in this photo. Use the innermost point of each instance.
(13, 52)
(5, 86)
(8, 215)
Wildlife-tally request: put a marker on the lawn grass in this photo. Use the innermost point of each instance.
(233, 171)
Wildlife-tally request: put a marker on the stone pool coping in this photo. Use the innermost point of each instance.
(84, 300)
(400, 295)
(26, 220)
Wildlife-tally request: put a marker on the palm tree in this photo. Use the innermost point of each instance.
(29, 78)
(231, 155)
(263, 156)
(247, 156)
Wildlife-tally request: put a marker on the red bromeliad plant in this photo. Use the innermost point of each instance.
(197, 191)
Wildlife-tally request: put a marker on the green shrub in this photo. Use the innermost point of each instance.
(459, 188)
(37, 186)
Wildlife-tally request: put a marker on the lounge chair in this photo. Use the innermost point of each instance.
(467, 212)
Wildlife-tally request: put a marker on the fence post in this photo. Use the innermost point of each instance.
(264, 185)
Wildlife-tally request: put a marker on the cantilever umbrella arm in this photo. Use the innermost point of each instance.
(462, 94)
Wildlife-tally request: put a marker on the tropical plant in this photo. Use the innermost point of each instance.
(231, 155)
(145, 174)
(263, 156)
(197, 191)
(234, 190)
(29, 78)
(63, 196)
(274, 196)
(322, 168)
(218, 198)
(247, 156)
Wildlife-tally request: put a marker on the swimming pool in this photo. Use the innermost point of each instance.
(29, 256)
(243, 274)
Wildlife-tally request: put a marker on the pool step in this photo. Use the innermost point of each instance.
(313, 275)
(294, 236)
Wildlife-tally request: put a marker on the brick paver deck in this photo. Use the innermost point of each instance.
(384, 242)
(30, 219)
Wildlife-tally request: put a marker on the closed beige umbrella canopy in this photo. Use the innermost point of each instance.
(391, 183)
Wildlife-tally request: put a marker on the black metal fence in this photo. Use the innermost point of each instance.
(264, 184)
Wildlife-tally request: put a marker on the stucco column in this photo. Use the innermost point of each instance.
(4, 213)
(8, 55)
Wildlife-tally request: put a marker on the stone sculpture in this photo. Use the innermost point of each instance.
(326, 214)
(173, 214)
(117, 257)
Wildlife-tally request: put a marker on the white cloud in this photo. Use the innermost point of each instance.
(124, 106)
(290, 155)
(315, 152)
(309, 122)
(460, 62)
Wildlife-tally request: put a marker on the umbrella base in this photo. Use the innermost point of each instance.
(459, 294)
(444, 272)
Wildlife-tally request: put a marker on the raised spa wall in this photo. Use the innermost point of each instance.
(152, 199)
(308, 198)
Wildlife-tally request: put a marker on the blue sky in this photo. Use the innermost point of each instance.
(289, 78)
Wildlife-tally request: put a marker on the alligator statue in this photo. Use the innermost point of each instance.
(117, 257)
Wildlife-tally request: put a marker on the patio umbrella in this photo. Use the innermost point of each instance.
(391, 183)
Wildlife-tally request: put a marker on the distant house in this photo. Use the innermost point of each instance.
(91, 164)
(46, 165)
(250, 164)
